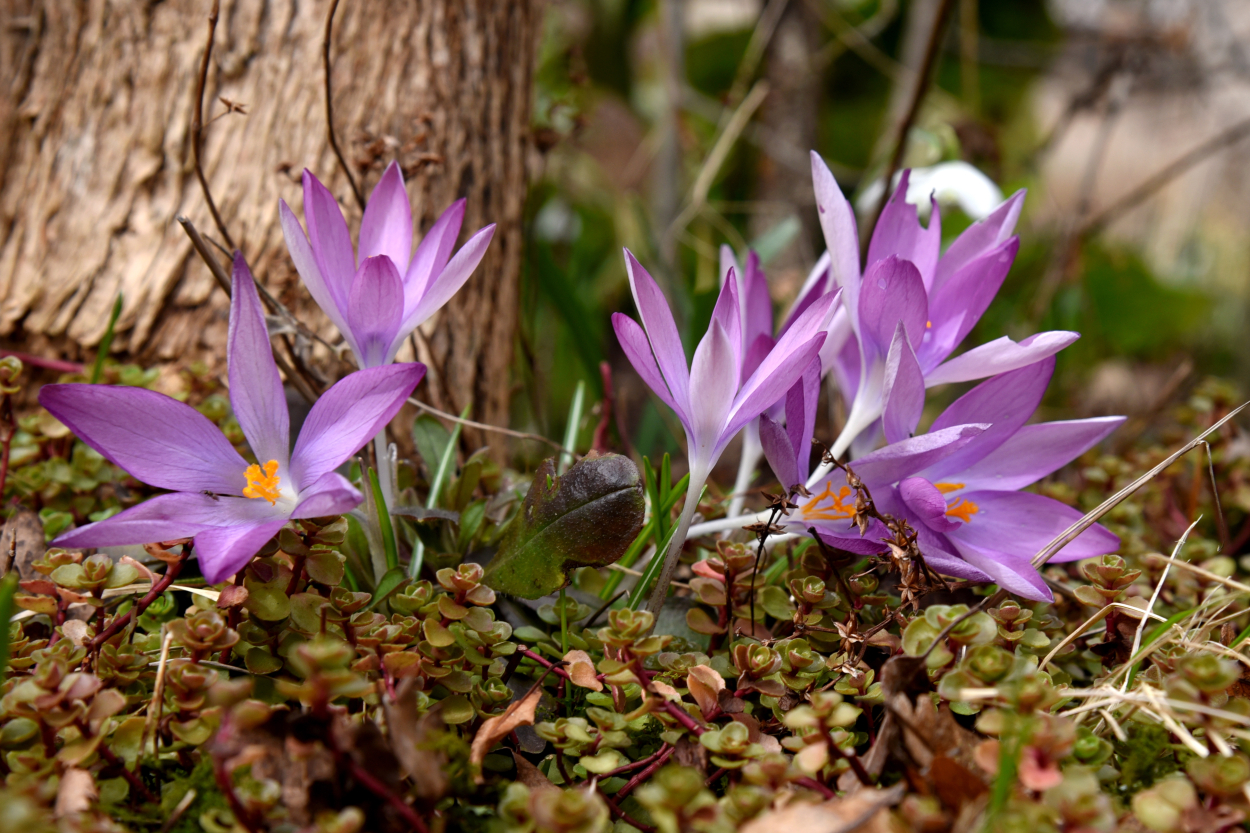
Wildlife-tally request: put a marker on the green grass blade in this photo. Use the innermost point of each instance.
(8, 588)
(570, 430)
(445, 462)
(384, 521)
(654, 566)
(107, 341)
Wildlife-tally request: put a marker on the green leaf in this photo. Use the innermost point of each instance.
(384, 521)
(8, 588)
(393, 581)
(588, 517)
(107, 341)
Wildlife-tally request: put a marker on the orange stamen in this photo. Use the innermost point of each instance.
(947, 488)
(962, 509)
(835, 510)
(262, 484)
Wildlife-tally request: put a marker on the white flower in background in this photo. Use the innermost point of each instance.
(953, 183)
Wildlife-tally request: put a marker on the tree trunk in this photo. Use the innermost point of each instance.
(96, 104)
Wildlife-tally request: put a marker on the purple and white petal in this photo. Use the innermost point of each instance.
(332, 495)
(446, 283)
(327, 232)
(899, 233)
(959, 304)
(1011, 572)
(347, 416)
(837, 222)
(728, 313)
(757, 304)
(892, 291)
(255, 387)
(1000, 356)
(768, 385)
(903, 389)
(780, 454)
(1022, 524)
(432, 253)
(1006, 402)
(375, 307)
(979, 238)
(905, 458)
(224, 551)
(326, 295)
(926, 504)
(1035, 451)
(713, 383)
(657, 320)
(157, 439)
(638, 350)
(165, 517)
(386, 227)
(801, 404)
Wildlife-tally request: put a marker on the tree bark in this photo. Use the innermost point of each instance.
(96, 101)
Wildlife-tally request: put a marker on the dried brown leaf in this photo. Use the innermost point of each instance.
(75, 630)
(75, 793)
(232, 595)
(530, 775)
(705, 684)
(581, 670)
(863, 811)
(520, 713)
(409, 732)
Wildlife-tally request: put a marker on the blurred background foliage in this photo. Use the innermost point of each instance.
(675, 127)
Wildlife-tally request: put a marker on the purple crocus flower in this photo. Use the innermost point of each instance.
(229, 507)
(958, 486)
(378, 300)
(911, 307)
(711, 397)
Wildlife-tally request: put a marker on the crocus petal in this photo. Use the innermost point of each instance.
(757, 304)
(638, 350)
(979, 238)
(1022, 524)
(892, 291)
(332, 495)
(768, 385)
(814, 321)
(756, 352)
(845, 536)
(375, 307)
(1013, 573)
(903, 459)
(1006, 401)
(837, 222)
(657, 320)
(255, 387)
(327, 231)
(779, 453)
(1035, 451)
(728, 312)
(159, 440)
(225, 550)
(926, 503)
(433, 252)
(818, 282)
(1000, 356)
(960, 303)
(347, 415)
(386, 227)
(899, 233)
(904, 389)
(713, 383)
(165, 517)
(952, 565)
(801, 404)
(447, 282)
(305, 261)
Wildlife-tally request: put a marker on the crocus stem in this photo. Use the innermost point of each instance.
(725, 524)
(386, 474)
(751, 453)
(660, 591)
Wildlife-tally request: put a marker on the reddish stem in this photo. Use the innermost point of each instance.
(159, 587)
(379, 789)
(47, 364)
(646, 773)
(813, 784)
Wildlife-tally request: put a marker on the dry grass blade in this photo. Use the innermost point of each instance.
(1154, 597)
(1048, 552)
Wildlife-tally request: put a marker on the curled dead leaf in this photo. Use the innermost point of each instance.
(666, 691)
(581, 670)
(147, 574)
(232, 595)
(520, 713)
(75, 793)
(859, 812)
(705, 684)
(75, 630)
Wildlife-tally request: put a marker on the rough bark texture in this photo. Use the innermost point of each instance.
(96, 100)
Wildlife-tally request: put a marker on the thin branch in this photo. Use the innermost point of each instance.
(159, 587)
(1147, 189)
(334, 142)
(521, 435)
(197, 125)
(913, 109)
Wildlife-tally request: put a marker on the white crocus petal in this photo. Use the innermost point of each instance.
(953, 183)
